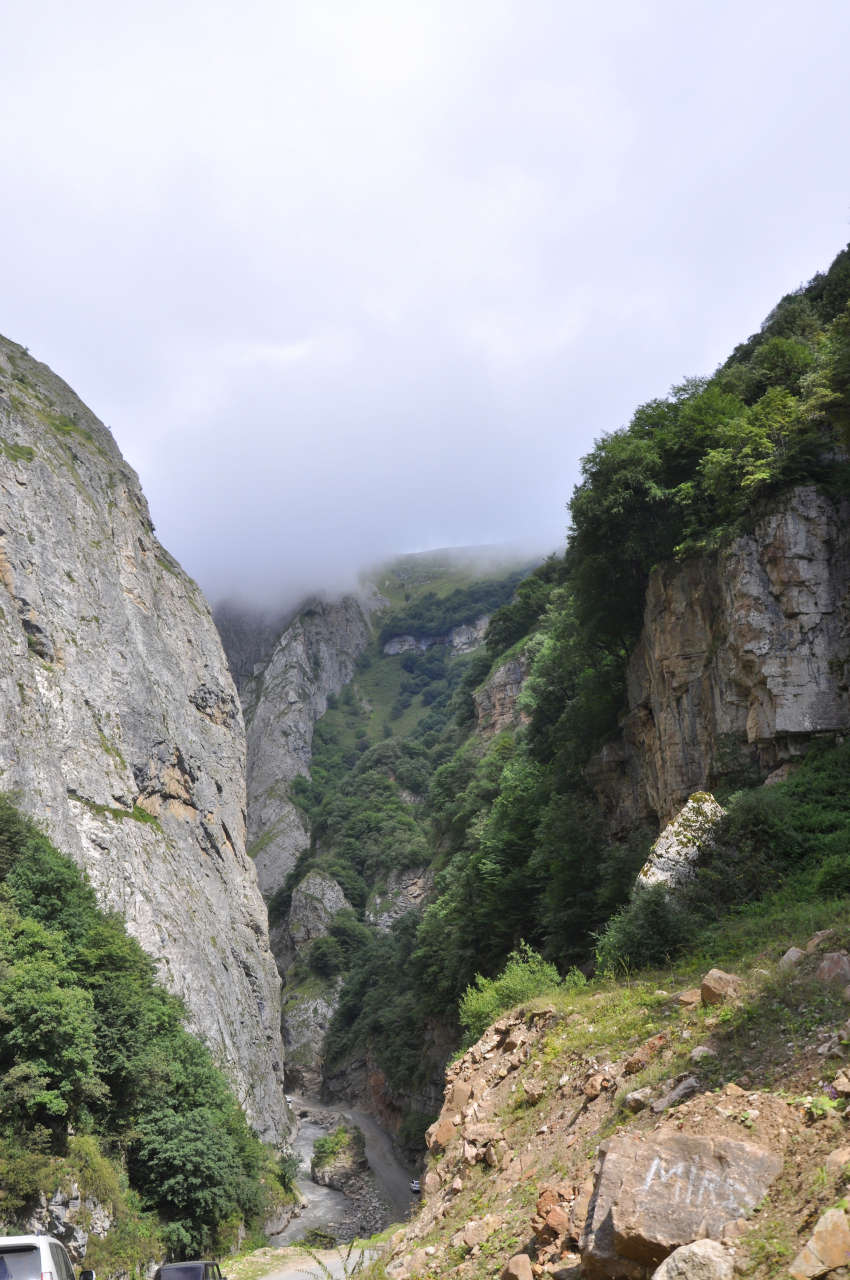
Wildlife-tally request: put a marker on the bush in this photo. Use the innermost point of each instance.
(651, 928)
(525, 976)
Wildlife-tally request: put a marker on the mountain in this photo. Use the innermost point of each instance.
(123, 735)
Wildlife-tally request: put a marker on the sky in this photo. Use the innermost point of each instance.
(351, 278)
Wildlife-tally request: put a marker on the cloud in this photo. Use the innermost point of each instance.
(353, 277)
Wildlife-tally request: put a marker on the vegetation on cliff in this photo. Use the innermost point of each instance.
(508, 825)
(100, 1083)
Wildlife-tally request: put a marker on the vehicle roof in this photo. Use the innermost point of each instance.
(4, 1240)
(189, 1262)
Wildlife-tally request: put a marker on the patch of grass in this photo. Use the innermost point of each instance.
(136, 814)
(16, 452)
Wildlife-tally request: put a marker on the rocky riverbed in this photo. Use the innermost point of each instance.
(358, 1192)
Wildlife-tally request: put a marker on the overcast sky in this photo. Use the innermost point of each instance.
(354, 277)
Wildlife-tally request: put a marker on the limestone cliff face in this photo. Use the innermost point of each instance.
(496, 701)
(313, 657)
(122, 733)
(743, 658)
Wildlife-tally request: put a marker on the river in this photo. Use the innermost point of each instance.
(326, 1209)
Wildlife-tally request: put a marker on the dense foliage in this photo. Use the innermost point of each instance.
(431, 614)
(509, 827)
(92, 1045)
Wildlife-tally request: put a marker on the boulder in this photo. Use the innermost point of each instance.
(673, 857)
(643, 1055)
(837, 1160)
(718, 986)
(791, 959)
(689, 999)
(638, 1099)
(440, 1133)
(702, 1260)
(476, 1231)
(817, 938)
(684, 1089)
(828, 1248)
(517, 1268)
(650, 1197)
(835, 967)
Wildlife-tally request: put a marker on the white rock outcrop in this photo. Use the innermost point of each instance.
(672, 859)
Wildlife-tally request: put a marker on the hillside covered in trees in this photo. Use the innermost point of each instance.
(100, 1083)
(519, 848)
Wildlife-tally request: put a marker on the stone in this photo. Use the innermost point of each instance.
(440, 1134)
(673, 857)
(652, 1196)
(684, 1089)
(702, 1260)
(701, 1052)
(817, 939)
(595, 1084)
(837, 1160)
(457, 1185)
(638, 1099)
(557, 1222)
(841, 1084)
(835, 967)
(534, 1091)
(791, 959)
(477, 1231)
(690, 998)
(644, 1054)
(828, 1248)
(122, 731)
(459, 1095)
(432, 1183)
(518, 1268)
(718, 986)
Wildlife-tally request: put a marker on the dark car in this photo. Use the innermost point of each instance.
(189, 1271)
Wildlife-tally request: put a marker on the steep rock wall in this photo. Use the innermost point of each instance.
(744, 657)
(122, 733)
(497, 700)
(314, 657)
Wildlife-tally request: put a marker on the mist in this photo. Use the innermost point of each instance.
(352, 279)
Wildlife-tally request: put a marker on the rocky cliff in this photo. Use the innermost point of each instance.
(743, 658)
(497, 699)
(313, 657)
(122, 733)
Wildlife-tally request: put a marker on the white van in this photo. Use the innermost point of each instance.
(36, 1258)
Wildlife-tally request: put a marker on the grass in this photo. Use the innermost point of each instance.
(136, 814)
(16, 452)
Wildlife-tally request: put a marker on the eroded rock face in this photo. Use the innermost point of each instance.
(742, 659)
(122, 732)
(313, 658)
(463, 639)
(406, 891)
(496, 702)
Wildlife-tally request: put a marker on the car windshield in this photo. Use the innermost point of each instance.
(179, 1271)
(20, 1262)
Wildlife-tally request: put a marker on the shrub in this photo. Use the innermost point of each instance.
(652, 927)
(525, 976)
